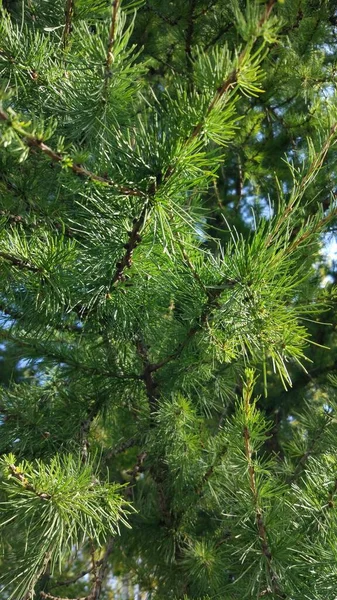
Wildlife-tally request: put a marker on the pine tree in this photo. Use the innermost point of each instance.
(167, 184)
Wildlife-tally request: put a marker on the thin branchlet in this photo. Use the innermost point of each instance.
(32, 141)
(20, 476)
(69, 13)
(259, 519)
(111, 42)
(20, 263)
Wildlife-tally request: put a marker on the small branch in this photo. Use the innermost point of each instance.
(189, 36)
(75, 578)
(98, 578)
(213, 296)
(109, 57)
(311, 448)
(69, 13)
(17, 474)
(150, 384)
(100, 575)
(112, 33)
(134, 240)
(195, 273)
(164, 18)
(315, 166)
(120, 448)
(46, 596)
(260, 524)
(21, 264)
(32, 141)
(332, 494)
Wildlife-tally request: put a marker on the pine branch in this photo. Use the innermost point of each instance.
(30, 140)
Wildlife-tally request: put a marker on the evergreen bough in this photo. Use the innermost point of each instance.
(165, 183)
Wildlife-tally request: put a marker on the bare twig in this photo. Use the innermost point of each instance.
(99, 576)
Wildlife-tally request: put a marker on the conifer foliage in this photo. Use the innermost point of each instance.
(166, 179)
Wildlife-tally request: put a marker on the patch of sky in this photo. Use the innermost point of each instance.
(329, 254)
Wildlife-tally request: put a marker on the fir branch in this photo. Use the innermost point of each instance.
(30, 140)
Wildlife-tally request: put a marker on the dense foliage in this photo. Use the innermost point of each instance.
(167, 313)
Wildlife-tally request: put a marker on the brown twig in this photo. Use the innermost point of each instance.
(211, 304)
(332, 493)
(69, 12)
(20, 263)
(147, 376)
(260, 524)
(189, 36)
(111, 41)
(20, 476)
(134, 240)
(32, 141)
(99, 576)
